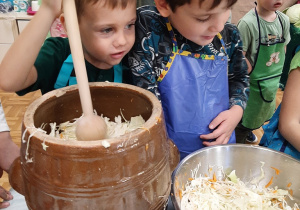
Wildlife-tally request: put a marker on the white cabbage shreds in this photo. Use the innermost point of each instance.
(66, 130)
(231, 194)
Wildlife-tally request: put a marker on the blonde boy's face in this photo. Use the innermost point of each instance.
(107, 34)
(200, 25)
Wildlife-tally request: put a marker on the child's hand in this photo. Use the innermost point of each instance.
(6, 196)
(55, 6)
(224, 123)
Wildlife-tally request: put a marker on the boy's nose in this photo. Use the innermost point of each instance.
(218, 26)
(120, 39)
(218, 23)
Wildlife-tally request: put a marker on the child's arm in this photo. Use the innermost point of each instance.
(289, 117)
(9, 151)
(17, 69)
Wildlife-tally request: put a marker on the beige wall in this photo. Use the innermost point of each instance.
(243, 6)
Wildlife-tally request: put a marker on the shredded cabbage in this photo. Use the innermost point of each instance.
(231, 194)
(66, 130)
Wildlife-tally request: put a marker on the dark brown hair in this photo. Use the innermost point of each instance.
(177, 3)
(110, 3)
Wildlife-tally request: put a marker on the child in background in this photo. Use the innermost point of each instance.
(107, 31)
(199, 75)
(9, 151)
(282, 133)
(265, 33)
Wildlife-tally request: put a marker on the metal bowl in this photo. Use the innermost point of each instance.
(246, 160)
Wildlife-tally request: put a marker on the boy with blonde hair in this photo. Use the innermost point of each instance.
(107, 29)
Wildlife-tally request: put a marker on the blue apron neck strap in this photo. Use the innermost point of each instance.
(118, 73)
(222, 42)
(170, 29)
(64, 73)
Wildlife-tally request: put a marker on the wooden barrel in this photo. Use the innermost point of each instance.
(134, 172)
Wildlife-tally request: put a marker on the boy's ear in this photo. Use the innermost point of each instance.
(163, 7)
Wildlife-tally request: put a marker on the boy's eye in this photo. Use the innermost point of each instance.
(204, 19)
(106, 30)
(130, 26)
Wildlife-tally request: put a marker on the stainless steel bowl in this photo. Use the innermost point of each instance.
(246, 160)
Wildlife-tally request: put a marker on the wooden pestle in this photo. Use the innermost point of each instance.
(89, 126)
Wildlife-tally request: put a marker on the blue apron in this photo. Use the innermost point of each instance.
(273, 139)
(194, 90)
(64, 77)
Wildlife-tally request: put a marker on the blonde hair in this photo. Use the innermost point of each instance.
(110, 3)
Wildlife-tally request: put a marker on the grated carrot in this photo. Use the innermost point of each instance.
(277, 171)
(180, 194)
(158, 119)
(190, 179)
(289, 184)
(214, 179)
(270, 182)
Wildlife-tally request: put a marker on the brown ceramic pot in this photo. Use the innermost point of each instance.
(133, 173)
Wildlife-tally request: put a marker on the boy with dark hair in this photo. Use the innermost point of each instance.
(188, 56)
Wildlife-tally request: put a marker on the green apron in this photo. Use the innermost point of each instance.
(264, 82)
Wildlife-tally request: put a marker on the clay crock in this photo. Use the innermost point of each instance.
(134, 172)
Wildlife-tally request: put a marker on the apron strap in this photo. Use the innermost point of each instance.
(66, 70)
(259, 35)
(64, 73)
(118, 73)
(171, 32)
(283, 146)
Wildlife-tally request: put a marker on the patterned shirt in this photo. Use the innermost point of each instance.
(153, 48)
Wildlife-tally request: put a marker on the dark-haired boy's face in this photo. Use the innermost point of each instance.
(200, 24)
